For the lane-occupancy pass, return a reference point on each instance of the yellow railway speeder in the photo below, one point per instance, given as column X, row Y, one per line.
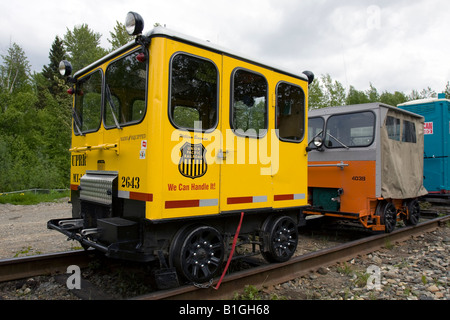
column 173, row 140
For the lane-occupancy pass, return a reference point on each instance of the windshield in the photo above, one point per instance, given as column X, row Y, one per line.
column 350, row 130
column 88, row 102
column 123, row 96
column 126, row 82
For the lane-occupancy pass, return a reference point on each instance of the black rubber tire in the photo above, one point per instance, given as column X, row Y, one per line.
column 281, row 238
column 197, row 253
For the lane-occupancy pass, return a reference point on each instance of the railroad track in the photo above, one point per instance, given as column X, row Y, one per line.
column 23, row 267
column 273, row 274
column 267, row 274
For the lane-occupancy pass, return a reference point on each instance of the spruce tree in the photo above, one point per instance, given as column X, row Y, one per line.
column 51, row 72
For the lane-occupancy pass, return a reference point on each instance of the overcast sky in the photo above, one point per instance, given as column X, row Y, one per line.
column 397, row 45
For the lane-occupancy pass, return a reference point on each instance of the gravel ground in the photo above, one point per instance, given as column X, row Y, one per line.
column 23, row 229
column 418, row 269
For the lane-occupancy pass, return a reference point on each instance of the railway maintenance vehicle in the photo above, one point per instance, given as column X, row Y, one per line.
column 366, row 164
column 177, row 144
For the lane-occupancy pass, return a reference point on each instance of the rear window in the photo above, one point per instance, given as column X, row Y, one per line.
column 290, row 120
column 409, row 132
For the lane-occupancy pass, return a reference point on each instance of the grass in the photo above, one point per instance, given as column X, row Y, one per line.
column 29, row 198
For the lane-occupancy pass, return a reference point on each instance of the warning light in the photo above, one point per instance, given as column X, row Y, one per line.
column 141, row 57
column 71, row 91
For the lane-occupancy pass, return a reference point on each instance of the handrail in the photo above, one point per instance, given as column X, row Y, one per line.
column 339, row 165
column 105, row 146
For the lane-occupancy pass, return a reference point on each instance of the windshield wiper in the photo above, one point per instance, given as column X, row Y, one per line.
column 77, row 122
column 112, row 106
column 340, row 142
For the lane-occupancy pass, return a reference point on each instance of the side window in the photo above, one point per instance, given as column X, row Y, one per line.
column 193, row 93
column 125, row 91
column 315, row 128
column 290, row 112
column 393, row 128
column 88, row 103
column 249, row 104
column 409, row 132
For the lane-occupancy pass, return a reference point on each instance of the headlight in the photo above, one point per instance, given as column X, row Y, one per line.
column 318, row 142
column 134, row 24
column 65, row 68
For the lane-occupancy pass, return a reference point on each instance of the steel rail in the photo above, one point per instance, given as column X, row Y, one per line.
column 272, row 274
column 23, row 267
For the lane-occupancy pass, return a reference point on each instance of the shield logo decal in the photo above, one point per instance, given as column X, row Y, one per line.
column 193, row 162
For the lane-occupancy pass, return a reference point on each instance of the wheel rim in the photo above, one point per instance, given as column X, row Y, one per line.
column 283, row 240
column 200, row 255
column 414, row 213
column 390, row 217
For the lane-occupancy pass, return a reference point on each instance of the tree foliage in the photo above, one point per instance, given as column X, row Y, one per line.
column 325, row 92
column 15, row 71
column 36, row 111
column 83, row 46
column 119, row 37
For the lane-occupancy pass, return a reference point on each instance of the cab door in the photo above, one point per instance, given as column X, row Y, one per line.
column 191, row 132
column 245, row 175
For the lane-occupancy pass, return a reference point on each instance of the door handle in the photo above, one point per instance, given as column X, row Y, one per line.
column 222, row 154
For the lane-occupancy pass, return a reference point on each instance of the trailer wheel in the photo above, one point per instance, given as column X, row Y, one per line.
column 388, row 213
column 281, row 239
column 197, row 253
column 413, row 213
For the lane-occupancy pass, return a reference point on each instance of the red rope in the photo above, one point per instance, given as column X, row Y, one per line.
column 232, row 251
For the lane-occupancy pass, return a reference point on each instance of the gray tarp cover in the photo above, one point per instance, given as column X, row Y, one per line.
column 402, row 169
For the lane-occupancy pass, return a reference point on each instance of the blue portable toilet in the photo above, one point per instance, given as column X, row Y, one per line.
column 436, row 169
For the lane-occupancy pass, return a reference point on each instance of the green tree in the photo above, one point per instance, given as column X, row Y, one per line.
column 324, row 92
column 447, row 90
column 372, row 94
column 334, row 92
column 15, row 72
column 51, row 71
column 315, row 95
column 356, row 97
column 119, row 37
column 83, row 46
column 393, row 99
